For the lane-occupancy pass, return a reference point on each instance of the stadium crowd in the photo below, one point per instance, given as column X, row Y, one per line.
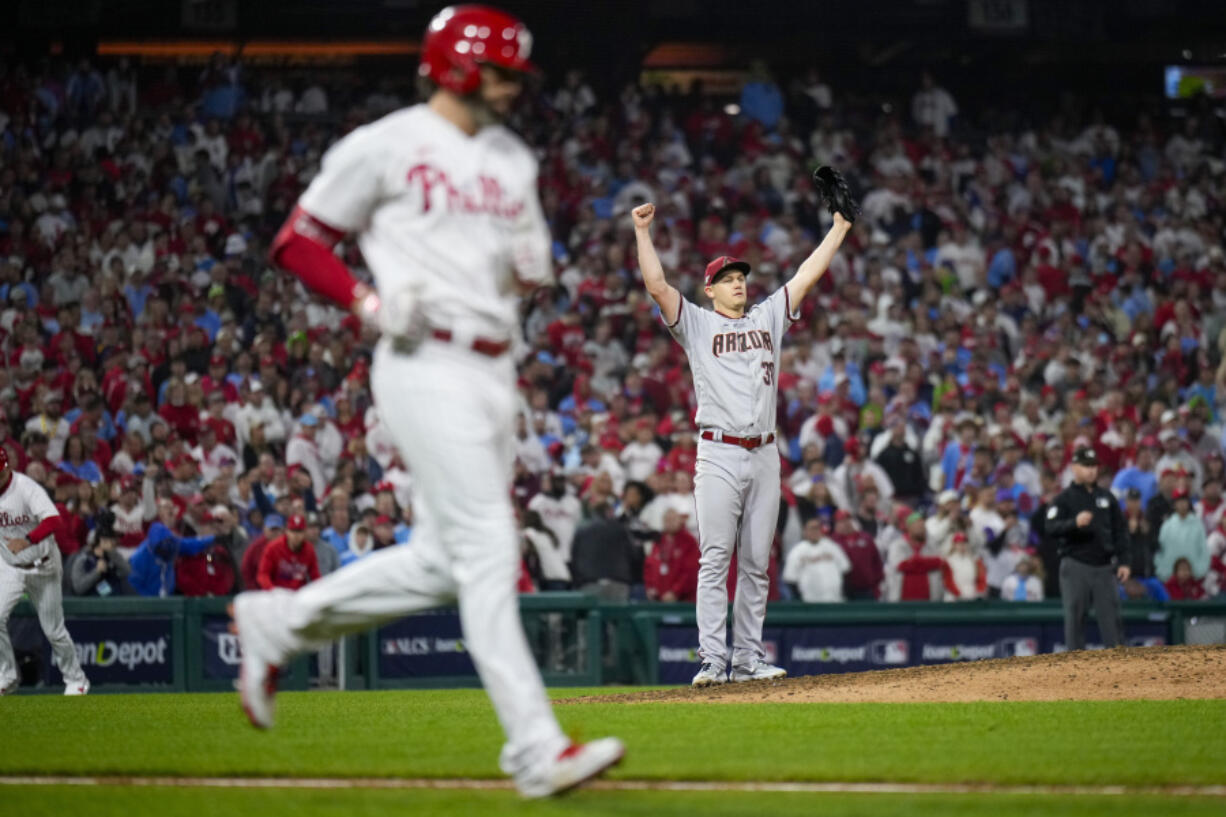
column 1015, row 289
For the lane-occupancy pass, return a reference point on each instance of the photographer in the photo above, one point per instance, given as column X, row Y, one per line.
column 98, row 569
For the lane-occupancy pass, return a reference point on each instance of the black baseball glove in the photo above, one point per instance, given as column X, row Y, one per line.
column 833, row 188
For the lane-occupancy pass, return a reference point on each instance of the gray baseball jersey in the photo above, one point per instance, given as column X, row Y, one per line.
column 733, row 361
column 736, row 490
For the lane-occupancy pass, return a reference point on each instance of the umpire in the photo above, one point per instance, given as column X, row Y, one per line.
column 1085, row 523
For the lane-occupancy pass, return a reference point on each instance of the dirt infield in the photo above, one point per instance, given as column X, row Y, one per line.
column 1152, row 673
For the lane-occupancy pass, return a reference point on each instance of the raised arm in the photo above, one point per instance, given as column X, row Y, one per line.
column 815, row 266
column 664, row 293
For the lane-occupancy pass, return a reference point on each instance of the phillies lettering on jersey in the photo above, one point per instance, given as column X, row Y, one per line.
column 23, row 505
column 7, row 520
column 733, row 361
column 450, row 227
column 489, row 197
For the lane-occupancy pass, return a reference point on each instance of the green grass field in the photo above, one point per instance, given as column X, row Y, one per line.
column 453, row 734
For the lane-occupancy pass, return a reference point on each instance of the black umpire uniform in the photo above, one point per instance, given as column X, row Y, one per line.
column 1090, row 555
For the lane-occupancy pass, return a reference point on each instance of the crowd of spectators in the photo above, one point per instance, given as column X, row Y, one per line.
column 1014, row 289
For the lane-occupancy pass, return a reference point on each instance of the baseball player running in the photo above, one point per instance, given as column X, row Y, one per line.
column 443, row 200
column 30, row 563
column 733, row 355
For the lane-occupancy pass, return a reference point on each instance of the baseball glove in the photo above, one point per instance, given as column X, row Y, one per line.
column 833, row 188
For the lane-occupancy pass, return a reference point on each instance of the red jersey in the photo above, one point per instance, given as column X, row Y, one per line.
column 672, row 567
column 282, row 567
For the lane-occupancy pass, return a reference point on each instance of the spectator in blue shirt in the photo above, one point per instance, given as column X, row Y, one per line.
column 761, row 99
column 840, row 367
column 153, row 563
column 1140, row 476
column 337, row 532
column 75, row 462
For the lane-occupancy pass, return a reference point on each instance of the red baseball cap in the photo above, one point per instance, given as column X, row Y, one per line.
column 841, row 514
column 296, row 522
column 723, row 264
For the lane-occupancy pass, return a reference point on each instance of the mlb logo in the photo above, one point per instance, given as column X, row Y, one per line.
column 891, row 652
column 1018, row 647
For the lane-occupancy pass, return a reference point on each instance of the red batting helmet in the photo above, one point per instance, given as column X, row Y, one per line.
column 460, row 38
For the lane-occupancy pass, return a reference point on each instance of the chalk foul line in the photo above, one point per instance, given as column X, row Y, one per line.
column 473, row 784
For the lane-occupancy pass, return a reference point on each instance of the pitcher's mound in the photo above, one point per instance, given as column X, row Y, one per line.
column 1133, row 673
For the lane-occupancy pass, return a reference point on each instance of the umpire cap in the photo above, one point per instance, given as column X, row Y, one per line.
column 1085, row 456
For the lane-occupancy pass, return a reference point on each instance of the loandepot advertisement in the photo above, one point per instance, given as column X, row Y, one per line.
column 119, row 651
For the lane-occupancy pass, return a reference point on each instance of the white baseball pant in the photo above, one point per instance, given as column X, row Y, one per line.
column 737, row 494
column 451, row 415
column 47, row 595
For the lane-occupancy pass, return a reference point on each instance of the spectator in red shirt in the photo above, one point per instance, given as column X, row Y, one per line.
column 289, row 560
column 182, row 416
column 274, row 524
column 209, row 572
column 1182, row 585
column 863, row 580
column 670, row 572
column 919, row 564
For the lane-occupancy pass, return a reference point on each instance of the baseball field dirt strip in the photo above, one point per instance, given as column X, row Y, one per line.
column 1138, row 673
column 435, row 752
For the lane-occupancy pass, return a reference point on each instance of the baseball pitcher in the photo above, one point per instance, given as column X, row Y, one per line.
column 443, row 201
column 30, row 564
column 734, row 353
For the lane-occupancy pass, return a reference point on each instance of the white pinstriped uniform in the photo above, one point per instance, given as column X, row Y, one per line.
column 23, row 505
column 449, row 222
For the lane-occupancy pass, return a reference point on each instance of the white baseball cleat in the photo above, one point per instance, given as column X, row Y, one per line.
column 709, row 675
column 77, row 689
column 10, row 688
column 574, row 766
column 257, row 674
column 758, row 671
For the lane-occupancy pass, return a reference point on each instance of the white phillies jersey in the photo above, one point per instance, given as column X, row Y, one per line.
column 23, row 505
column 734, row 361
column 447, row 219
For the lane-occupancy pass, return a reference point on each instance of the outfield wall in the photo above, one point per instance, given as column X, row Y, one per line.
column 181, row 644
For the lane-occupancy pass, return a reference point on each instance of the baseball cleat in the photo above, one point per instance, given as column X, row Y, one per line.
column 758, row 671
column 77, row 689
column 10, row 689
column 709, row 675
column 257, row 675
column 577, row 764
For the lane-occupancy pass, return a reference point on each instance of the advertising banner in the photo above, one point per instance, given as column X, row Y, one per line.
column 428, row 645
column 119, row 650
column 221, row 654
column 947, row 644
column 821, row 650
column 1136, row 634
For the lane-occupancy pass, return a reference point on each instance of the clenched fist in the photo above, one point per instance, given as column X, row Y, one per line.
column 643, row 214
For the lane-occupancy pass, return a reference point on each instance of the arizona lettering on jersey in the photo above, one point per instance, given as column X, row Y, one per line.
column 733, row 361
column 729, row 342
